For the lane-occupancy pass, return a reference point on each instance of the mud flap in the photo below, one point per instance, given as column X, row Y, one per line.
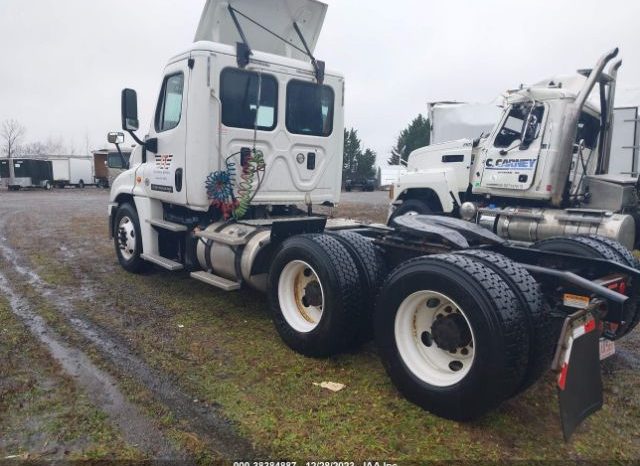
column 579, row 381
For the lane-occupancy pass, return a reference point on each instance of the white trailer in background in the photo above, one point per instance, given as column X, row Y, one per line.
column 72, row 171
column 452, row 121
column 625, row 141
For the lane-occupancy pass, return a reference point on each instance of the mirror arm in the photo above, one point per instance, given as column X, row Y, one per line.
column 150, row 145
column 121, row 155
column 135, row 138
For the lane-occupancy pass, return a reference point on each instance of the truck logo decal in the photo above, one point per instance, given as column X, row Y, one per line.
column 161, row 188
column 163, row 161
column 507, row 164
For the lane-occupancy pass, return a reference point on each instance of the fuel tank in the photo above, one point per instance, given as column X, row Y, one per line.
column 530, row 225
column 231, row 251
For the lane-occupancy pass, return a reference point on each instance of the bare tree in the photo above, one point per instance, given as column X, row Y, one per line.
column 12, row 132
column 33, row 148
column 87, row 143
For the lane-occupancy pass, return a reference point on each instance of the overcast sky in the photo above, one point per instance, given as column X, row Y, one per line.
column 64, row 62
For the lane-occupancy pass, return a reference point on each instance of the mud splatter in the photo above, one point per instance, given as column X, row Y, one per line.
column 136, row 428
column 204, row 420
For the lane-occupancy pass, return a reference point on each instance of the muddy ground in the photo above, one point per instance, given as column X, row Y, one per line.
column 99, row 364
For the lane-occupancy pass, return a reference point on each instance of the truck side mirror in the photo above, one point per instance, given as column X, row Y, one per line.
column 129, row 110
column 115, row 138
column 531, row 130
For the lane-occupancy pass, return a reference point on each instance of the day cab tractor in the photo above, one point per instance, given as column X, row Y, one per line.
column 245, row 142
column 541, row 172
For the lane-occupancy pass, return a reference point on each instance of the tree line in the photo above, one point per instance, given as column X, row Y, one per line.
column 359, row 162
column 12, row 142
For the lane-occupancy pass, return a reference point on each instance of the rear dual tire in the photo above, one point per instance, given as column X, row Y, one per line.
column 315, row 295
column 543, row 329
column 322, row 291
column 465, row 362
column 602, row 248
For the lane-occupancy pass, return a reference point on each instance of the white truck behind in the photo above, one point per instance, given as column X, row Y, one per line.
column 540, row 173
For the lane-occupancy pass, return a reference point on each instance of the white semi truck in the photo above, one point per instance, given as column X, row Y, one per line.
column 541, row 172
column 245, row 141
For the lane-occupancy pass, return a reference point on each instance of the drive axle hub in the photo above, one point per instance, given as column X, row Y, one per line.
column 451, row 332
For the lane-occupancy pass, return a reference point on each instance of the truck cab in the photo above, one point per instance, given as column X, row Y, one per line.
column 540, row 172
column 209, row 108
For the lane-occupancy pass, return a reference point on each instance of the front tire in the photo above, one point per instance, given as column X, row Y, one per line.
column 451, row 335
column 410, row 206
column 314, row 294
column 127, row 239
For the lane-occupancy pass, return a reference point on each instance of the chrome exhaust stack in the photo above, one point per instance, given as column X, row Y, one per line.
column 570, row 128
column 608, row 130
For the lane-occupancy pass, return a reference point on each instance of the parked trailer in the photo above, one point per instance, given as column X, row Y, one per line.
column 27, row 173
column 108, row 164
column 72, row 171
column 462, row 318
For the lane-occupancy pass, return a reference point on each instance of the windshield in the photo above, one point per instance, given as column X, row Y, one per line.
column 522, row 124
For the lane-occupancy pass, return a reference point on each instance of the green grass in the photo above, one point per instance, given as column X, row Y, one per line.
column 223, row 350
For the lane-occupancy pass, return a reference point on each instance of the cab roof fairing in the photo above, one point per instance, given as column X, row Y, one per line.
column 278, row 16
column 555, row 88
column 258, row 58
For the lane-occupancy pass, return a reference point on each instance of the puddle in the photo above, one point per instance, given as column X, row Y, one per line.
column 204, row 420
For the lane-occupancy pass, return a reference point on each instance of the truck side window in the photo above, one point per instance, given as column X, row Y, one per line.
column 309, row 108
column 170, row 104
column 239, row 96
column 588, row 129
column 115, row 161
column 514, row 129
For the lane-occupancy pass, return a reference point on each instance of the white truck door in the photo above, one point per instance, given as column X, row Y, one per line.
column 292, row 126
column 249, row 117
column 508, row 162
column 163, row 173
